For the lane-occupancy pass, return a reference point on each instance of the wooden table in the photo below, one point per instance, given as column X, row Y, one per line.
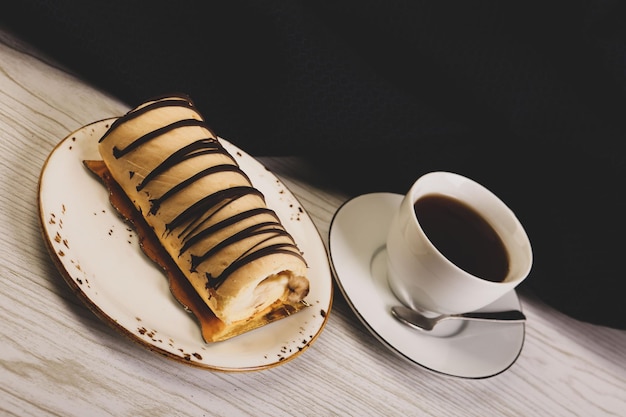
column 57, row 358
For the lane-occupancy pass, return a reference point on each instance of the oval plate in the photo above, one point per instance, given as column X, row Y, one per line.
column 99, row 256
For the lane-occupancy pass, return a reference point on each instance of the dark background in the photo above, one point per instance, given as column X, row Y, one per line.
column 527, row 98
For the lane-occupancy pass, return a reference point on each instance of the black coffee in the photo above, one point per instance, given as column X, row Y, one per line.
column 463, row 236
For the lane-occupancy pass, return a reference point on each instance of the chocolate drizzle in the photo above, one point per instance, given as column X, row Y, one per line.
column 159, row 102
column 156, row 202
column 252, row 256
column 195, row 223
column 254, row 230
column 198, row 148
column 118, row 153
column 195, row 238
column 200, row 207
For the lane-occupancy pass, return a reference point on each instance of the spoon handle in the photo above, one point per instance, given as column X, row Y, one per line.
column 511, row 316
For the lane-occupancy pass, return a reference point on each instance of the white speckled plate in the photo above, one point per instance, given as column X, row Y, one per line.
column 99, row 256
column 357, row 249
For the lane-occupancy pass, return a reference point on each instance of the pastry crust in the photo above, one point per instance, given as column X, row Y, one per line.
column 204, row 210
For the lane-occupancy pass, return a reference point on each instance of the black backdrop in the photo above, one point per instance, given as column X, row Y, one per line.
column 526, row 97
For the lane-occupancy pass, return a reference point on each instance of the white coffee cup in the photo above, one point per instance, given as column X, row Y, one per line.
column 425, row 279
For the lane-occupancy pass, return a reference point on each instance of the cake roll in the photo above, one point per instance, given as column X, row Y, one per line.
column 204, row 210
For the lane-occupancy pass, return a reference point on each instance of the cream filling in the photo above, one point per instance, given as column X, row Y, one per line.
column 280, row 286
column 255, row 299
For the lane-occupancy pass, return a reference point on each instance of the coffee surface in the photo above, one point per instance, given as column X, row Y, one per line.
column 463, row 236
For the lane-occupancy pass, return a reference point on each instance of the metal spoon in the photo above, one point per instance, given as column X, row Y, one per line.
column 418, row 321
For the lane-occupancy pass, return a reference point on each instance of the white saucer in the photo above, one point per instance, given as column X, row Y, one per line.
column 357, row 251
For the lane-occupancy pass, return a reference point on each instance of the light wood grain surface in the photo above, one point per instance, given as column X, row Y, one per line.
column 57, row 358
